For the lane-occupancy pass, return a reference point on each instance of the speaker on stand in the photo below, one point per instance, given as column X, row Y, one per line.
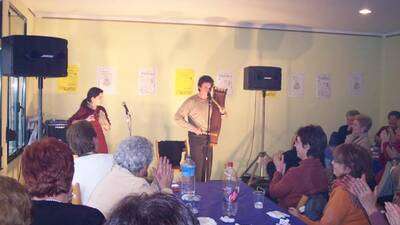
column 260, row 78
column 34, row 56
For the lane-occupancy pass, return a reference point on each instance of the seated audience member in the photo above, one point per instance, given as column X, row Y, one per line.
column 155, row 209
column 15, row 204
column 128, row 174
column 90, row 168
column 346, row 129
column 390, row 145
column 359, row 188
column 48, row 168
column 393, row 118
column 359, row 135
column 389, row 178
column 309, row 177
column 290, row 158
column 343, row 207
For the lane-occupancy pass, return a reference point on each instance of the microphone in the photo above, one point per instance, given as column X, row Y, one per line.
column 126, row 108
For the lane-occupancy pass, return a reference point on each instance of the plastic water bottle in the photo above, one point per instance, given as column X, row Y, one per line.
column 231, row 191
column 188, row 177
column 375, row 151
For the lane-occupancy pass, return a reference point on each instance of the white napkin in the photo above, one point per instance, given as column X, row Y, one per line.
column 283, row 222
column 227, row 219
column 206, row 221
column 277, row 214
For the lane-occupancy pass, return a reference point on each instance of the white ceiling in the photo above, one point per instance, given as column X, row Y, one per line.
column 333, row 16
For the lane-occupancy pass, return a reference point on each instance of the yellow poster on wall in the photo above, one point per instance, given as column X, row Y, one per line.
column 184, row 82
column 69, row 84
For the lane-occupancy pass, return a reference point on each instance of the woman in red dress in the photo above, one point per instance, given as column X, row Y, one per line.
column 92, row 111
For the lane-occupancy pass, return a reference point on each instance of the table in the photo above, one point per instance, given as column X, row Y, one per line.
column 212, row 199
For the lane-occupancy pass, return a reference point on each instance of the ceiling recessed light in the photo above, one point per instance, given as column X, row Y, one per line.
column 365, row 11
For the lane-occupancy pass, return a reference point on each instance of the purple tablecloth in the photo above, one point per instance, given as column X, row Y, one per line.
column 211, row 205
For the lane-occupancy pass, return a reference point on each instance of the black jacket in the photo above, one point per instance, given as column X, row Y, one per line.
column 56, row 213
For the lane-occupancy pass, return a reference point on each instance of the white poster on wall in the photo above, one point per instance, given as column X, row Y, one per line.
column 225, row 81
column 106, row 78
column 324, row 86
column 296, row 85
column 147, row 82
column 356, row 84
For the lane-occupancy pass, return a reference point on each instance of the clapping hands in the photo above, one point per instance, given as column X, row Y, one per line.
column 279, row 162
column 163, row 173
column 392, row 213
column 360, row 188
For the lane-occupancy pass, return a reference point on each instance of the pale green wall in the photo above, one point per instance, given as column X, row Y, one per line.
column 391, row 76
column 129, row 46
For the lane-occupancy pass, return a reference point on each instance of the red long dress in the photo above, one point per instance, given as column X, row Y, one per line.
column 83, row 113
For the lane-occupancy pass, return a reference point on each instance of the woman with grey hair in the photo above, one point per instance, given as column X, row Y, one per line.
column 131, row 162
column 359, row 136
column 346, row 129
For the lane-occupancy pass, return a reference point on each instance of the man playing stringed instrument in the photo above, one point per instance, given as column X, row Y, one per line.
column 195, row 115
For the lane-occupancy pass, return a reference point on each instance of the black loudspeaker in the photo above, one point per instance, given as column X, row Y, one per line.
column 262, row 78
column 37, row 56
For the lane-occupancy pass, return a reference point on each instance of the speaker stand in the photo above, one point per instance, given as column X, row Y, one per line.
column 40, row 106
column 264, row 95
column 255, row 162
column 262, row 153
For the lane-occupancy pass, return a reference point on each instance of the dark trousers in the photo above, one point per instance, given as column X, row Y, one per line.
column 202, row 154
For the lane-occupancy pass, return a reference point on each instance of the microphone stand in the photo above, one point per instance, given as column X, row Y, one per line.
column 129, row 123
column 128, row 118
column 209, row 98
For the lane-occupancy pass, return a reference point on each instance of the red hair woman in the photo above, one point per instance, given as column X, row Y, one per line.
column 92, row 111
column 48, row 168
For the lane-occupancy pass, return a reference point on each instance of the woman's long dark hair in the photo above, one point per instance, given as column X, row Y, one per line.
column 92, row 93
